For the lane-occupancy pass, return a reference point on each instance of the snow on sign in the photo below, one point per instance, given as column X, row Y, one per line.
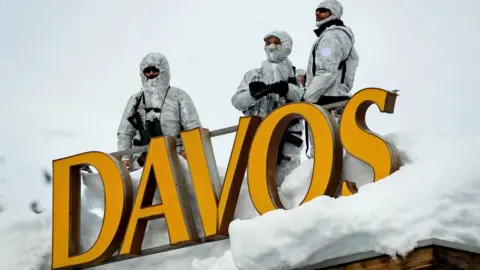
column 254, row 149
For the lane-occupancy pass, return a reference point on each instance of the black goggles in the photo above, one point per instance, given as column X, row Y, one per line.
column 150, row 69
column 322, row 10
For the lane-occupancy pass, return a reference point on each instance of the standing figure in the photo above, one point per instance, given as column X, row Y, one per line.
column 274, row 84
column 333, row 60
column 159, row 109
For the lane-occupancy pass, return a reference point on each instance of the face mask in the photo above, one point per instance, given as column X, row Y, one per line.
column 274, row 52
column 322, row 22
column 150, row 83
column 273, row 47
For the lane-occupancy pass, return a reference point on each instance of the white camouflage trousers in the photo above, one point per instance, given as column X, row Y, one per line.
column 286, row 167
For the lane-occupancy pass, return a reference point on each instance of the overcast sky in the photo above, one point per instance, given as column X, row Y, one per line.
column 67, row 68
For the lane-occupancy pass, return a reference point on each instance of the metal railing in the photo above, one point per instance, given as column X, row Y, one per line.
column 213, row 133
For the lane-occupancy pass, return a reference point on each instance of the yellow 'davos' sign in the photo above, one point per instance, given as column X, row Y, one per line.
column 255, row 148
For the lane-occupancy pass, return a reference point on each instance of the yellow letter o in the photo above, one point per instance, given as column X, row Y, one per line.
column 262, row 163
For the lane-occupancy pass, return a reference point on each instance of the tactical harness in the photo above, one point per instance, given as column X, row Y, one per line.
column 318, row 32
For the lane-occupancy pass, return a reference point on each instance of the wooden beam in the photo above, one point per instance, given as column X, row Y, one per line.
column 429, row 254
column 430, row 257
column 449, row 258
column 418, row 259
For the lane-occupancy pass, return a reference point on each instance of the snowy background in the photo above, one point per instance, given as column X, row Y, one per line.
column 67, row 69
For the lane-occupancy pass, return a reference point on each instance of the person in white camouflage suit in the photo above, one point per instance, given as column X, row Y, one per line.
column 158, row 107
column 333, row 60
column 274, row 84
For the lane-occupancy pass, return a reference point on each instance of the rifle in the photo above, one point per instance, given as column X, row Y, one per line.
column 153, row 128
column 136, row 122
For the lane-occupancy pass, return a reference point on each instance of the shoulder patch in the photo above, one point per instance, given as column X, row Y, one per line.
column 325, row 51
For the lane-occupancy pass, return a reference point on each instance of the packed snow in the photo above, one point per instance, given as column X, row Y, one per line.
column 435, row 194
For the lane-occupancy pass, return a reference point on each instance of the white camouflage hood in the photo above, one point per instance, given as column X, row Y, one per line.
column 158, row 60
column 278, row 67
column 287, row 44
column 335, row 7
column 155, row 89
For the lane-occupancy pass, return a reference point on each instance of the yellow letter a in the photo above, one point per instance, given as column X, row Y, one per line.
column 216, row 215
column 161, row 168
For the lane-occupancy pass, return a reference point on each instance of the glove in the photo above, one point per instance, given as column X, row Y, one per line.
column 255, row 88
column 292, row 80
column 281, row 88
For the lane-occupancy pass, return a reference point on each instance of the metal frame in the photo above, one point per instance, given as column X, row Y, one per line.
column 213, row 133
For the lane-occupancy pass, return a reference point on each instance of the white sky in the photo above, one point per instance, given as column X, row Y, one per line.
column 67, row 68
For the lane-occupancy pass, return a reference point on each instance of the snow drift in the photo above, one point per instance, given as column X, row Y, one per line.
column 436, row 193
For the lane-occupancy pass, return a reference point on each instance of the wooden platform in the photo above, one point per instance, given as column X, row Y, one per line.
column 430, row 254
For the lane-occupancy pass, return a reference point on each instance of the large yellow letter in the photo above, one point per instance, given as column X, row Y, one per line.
column 360, row 141
column 216, row 216
column 161, row 169
column 263, row 156
column 66, row 207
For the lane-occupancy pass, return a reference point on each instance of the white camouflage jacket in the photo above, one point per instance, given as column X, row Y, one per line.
column 334, row 44
column 177, row 108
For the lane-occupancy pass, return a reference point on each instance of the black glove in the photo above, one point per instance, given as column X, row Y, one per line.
column 256, row 87
column 281, row 88
column 292, row 80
